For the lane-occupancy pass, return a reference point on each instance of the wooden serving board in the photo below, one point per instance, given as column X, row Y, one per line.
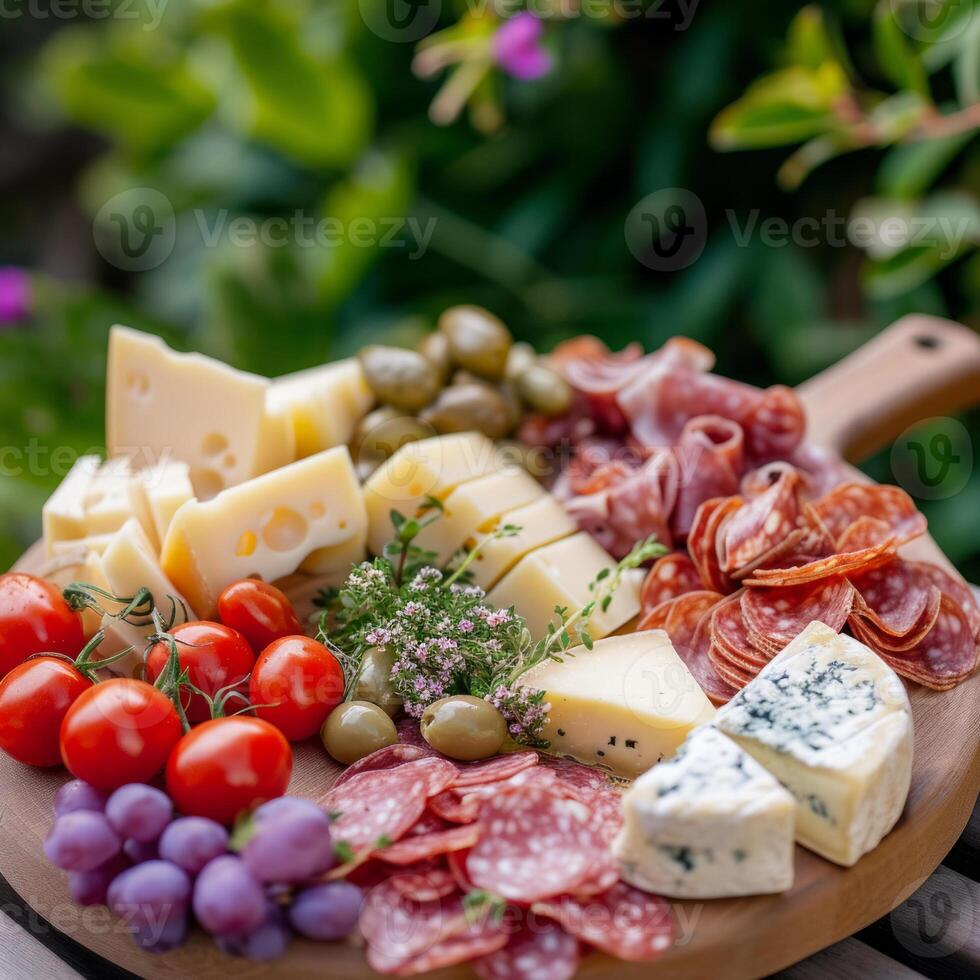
column 919, row 367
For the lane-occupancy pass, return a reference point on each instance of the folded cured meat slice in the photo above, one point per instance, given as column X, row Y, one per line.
column 709, row 460
column 702, row 541
column 846, row 563
column 760, row 525
column 840, row 508
column 670, row 576
column 780, row 614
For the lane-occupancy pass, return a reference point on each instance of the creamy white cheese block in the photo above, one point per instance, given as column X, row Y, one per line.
column 428, row 468
column 560, row 575
column 63, row 515
column 708, row 823
column 541, row 522
column 471, row 511
column 162, row 405
column 168, row 487
column 323, row 405
column 832, row 722
column 626, row 704
column 267, row 528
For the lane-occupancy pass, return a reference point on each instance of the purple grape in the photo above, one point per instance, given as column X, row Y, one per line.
column 138, row 852
column 191, row 842
column 78, row 795
column 81, row 841
column 162, row 937
column 150, row 894
column 139, row 812
column 290, row 844
column 90, row 887
column 286, row 806
column 327, row 912
column 268, row 942
column 228, row 901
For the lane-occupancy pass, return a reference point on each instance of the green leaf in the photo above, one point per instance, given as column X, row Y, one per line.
column 895, row 53
column 809, row 43
column 315, row 110
column 909, row 169
column 145, row 97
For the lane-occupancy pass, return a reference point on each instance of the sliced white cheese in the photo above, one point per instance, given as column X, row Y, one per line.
column 709, row 823
column 63, row 515
column 428, row 468
column 541, row 522
column 267, row 528
column 627, row 704
column 115, row 496
column 560, row 575
column 471, row 511
column 323, row 405
column 832, row 722
column 162, row 405
column 168, row 487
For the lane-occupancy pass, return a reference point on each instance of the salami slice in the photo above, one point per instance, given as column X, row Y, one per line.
column 624, row 922
column 876, row 638
column 383, row 804
column 865, row 532
column 948, row 654
column 847, row 563
column 709, row 450
column 418, row 847
column 728, row 631
column 847, row 503
column 409, row 733
column 731, row 673
column 545, row 952
column 781, row 614
column 475, row 940
column 760, row 525
column 534, row 776
column 952, row 586
column 696, row 654
column 456, row 861
column 426, row 881
column 775, row 425
column 534, row 845
column 703, row 538
column 893, row 597
column 386, row 758
column 585, row 782
column 450, row 806
column 670, row 576
column 493, row 770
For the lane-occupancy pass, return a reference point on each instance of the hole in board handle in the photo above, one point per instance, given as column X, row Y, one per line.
column 927, row 341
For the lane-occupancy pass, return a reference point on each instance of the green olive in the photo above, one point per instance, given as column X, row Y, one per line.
column 399, row 377
column 384, row 431
column 521, row 357
column 478, row 341
column 544, row 391
column 355, row 729
column 464, row 727
column 467, row 408
column 434, row 347
column 374, row 681
column 515, row 407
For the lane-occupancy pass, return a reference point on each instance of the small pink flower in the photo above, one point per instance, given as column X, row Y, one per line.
column 517, row 47
column 16, row 295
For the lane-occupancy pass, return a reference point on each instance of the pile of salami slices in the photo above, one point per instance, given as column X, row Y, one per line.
column 504, row 862
column 761, row 565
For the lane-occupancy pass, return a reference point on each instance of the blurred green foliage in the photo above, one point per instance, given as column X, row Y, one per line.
column 268, row 109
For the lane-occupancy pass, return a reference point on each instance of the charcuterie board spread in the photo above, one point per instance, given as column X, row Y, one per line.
column 473, row 657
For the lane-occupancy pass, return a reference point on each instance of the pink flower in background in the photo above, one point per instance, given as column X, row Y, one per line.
column 517, row 47
column 15, row 295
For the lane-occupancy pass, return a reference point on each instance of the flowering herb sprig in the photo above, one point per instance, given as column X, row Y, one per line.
column 443, row 636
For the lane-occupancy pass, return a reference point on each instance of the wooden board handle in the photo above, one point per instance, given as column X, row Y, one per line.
column 919, row 367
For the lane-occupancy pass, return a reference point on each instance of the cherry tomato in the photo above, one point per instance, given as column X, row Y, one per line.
column 259, row 611
column 228, row 765
column 214, row 656
column 120, row 731
column 34, row 698
column 34, row 618
column 295, row 684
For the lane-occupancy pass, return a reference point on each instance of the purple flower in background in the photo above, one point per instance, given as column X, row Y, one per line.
column 517, row 47
column 15, row 295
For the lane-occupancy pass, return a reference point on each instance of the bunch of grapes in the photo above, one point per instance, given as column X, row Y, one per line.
column 159, row 872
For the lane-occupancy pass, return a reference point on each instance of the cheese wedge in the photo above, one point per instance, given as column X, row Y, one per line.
column 559, row 575
column 168, row 487
column 323, row 405
column 115, row 496
column 541, row 522
column 832, row 722
column 267, row 528
column 626, row 704
column 709, row 823
column 471, row 511
column 63, row 515
column 428, row 468
column 161, row 405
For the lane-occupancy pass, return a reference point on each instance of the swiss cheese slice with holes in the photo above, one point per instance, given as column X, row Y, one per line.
column 428, row 468
column 163, row 405
column 267, row 528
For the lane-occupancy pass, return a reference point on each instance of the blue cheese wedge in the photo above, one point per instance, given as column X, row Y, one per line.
column 832, row 722
column 626, row 704
column 709, row 823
